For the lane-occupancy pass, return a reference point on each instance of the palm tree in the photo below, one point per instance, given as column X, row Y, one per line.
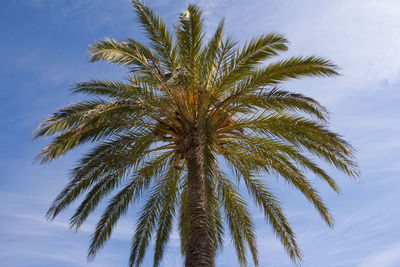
column 186, row 107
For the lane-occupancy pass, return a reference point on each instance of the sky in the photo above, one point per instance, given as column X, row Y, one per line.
column 43, row 51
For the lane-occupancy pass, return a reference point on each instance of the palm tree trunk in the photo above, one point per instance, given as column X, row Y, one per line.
column 199, row 250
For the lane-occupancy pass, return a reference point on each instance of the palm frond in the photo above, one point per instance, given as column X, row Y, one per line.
column 209, row 54
column 103, row 121
column 166, row 216
column 184, row 219
column 265, row 148
column 256, row 51
column 150, row 215
column 240, row 223
column 283, row 102
column 307, row 134
column 104, row 161
column 292, row 68
column 120, row 202
column 189, row 34
column 274, row 215
column 159, row 35
column 127, row 53
column 111, row 89
column 264, row 199
column 281, row 165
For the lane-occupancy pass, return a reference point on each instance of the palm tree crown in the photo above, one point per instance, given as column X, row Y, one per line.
column 187, row 106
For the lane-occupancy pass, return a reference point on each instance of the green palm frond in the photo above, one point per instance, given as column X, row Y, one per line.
column 184, row 219
column 111, row 89
column 189, row 36
column 264, row 148
column 240, row 223
column 124, row 197
column 313, row 137
column 120, row 202
column 66, row 118
column 282, row 166
column 160, row 197
column 106, row 163
column 292, row 68
column 283, row 102
column 274, row 215
column 224, row 55
column 294, row 177
column 256, row 51
column 166, row 216
column 102, row 121
column 131, row 53
column 209, row 54
column 159, row 35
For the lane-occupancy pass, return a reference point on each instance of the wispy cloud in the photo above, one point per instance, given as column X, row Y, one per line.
column 358, row 36
column 388, row 257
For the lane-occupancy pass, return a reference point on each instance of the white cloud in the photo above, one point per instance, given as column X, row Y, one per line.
column 361, row 37
column 389, row 257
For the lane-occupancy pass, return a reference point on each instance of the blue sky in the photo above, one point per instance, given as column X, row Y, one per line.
column 43, row 49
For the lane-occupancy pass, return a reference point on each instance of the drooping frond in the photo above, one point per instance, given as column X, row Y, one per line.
column 100, row 121
column 127, row 53
column 268, row 149
column 166, row 216
column 306, row 134
column 281, row 165
column 160, row 196
column 211, row 170
column 184, row 220
column 274, row 215
column 264, row 198
column 117, row 207
column 106, row 163
column 238, row 218
column 120, row 202
column 140, row 181
column 111, row 89
column 292, row 68
column 283, row 101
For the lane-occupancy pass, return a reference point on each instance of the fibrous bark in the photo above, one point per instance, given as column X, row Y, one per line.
column 199, row 250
